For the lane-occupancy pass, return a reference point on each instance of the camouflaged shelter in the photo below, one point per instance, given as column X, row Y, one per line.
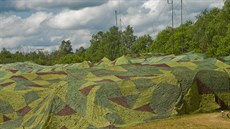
column 111, row 94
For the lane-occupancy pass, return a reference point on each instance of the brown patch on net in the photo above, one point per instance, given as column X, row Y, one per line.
column 120, row 101
column 13, row 71
column 66, row 111
column 86, row 90
column 145, row 108
column 105, row 80
column 6, row 84
column 161, row 65
column 223, row 106
column 64, row 127
column 228, row 68
column 36, row 85
column 30, row 67
column 24, row 110
column 52, row 72
column 5, row 118
column 90, row 64
column 203, row 89
column 110, row 126
column 123, row 77
column 18, row 76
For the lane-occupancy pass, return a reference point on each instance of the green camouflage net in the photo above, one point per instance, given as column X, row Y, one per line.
column 111, row 94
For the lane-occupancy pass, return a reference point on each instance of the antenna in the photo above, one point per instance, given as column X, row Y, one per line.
column 172, row 24
column 120, row 14
column 181, row 11
column 182, row 36
column 116, row 17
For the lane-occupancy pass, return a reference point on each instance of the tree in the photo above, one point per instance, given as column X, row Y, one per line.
column 65, row 48
column 106, row 44
column 5, row 56
column 161, row 42
column 96, row 50
column 80, row 51
column 6, row 53
column 141, row 45
column 127, row 40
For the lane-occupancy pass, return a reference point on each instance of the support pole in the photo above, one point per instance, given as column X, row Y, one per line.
column 116, row 17
column 172, row 24
column 182, row 36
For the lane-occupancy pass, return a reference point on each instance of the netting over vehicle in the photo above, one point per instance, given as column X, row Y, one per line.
column 111, row 94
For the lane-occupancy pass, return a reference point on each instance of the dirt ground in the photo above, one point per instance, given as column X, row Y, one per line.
column 198, row 121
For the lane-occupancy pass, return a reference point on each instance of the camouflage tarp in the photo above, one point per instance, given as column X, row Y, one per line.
column 111, row 94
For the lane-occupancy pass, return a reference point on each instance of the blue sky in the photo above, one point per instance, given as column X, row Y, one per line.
column 27, row 25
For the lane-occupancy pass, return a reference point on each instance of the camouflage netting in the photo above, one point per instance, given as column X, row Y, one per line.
column 111, row 94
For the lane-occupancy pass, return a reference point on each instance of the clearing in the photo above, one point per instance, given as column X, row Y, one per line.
column 201, row 121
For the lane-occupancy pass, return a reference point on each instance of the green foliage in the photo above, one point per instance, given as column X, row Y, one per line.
column 210, row 34
column 141, row 44
column 65, row 48
column 110, row 44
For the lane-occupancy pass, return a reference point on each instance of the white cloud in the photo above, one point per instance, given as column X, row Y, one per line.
column 10, row 42
column 16, row 26
column 46, row 4
column 217, row 4
column 55, row 38
column 151, row 4
column 72, row 19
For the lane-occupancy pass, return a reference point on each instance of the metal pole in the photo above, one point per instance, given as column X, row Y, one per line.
column 120, row 27
column 181, row 11
column 116, row 17
column 182, row 36
column 172, row 28
column 172, row 24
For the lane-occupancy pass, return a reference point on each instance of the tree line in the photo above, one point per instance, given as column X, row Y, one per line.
column 209, row 34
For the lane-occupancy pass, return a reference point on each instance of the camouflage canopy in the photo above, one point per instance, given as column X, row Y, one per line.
column 110, row 94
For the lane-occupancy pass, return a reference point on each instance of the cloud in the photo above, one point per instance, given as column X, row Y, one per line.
column 74, row 19
column 217, row 4
column 25, row 5
column 55, row 38
column 151, row 5
column 10, row 42
column 45, row 23
column 16, row 26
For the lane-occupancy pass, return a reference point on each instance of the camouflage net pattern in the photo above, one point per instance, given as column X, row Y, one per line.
column 111, row 94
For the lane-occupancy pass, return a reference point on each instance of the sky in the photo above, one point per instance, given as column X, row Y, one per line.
column 28, row 25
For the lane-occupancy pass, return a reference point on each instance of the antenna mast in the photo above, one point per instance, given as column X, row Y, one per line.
column 119, row 12
column 172, row 24
column 182, row 36
column 116, row 17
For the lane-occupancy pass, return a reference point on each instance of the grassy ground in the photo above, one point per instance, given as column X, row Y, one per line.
column 198, row 121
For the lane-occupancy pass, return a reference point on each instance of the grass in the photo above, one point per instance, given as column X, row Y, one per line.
column 197, row 121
